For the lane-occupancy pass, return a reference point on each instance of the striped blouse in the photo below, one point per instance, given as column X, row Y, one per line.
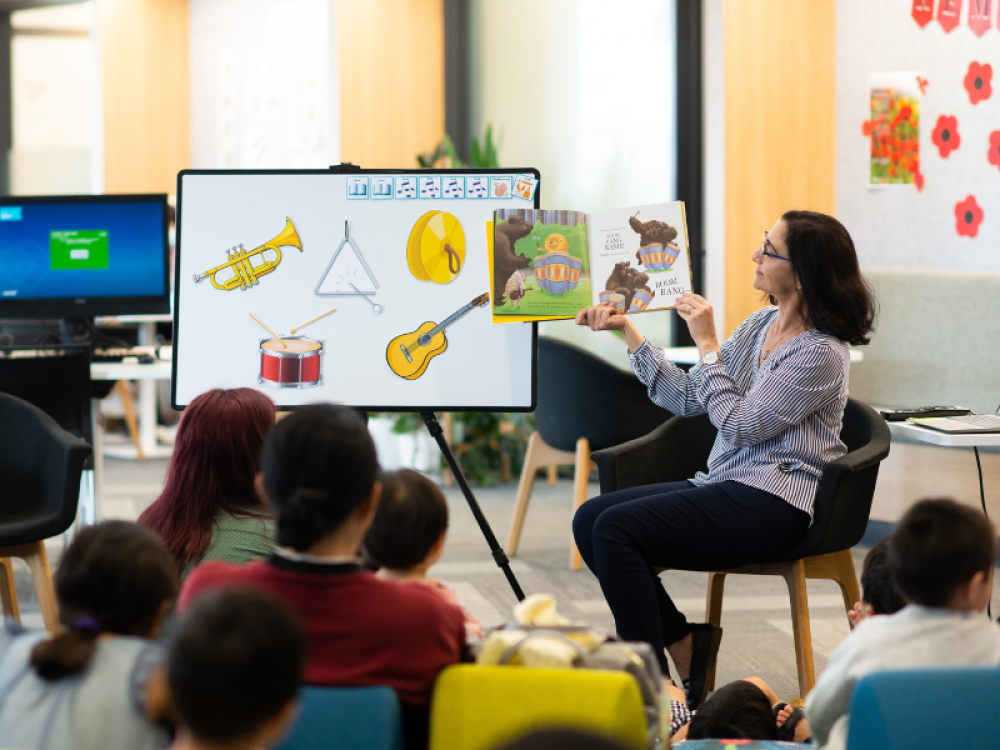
column 779, row 424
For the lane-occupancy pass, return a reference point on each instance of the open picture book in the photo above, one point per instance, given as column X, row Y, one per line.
column 548, row 265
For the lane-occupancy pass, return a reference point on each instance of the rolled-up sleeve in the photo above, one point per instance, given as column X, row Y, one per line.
column 803, row 382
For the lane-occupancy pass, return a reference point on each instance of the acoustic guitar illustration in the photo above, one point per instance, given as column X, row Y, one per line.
column 409, row 354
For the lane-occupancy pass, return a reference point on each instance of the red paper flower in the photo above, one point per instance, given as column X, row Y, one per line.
column 968, row 216
column 978, row 82
column 945, row 135
column 918, row 180
column 993, row 155
column 866, row 127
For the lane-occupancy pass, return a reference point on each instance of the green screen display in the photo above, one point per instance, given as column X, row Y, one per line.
column 77, row 249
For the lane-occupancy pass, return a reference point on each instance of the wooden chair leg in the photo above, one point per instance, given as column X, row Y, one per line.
column 847, row 579
column 133, row 425
column 8, row 590
column 531, row 466
column 582, row 472
column 713, row 607
column 552, row 472
column 795, row 578
column 38, row 562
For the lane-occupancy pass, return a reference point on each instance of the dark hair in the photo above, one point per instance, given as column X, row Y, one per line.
column 937, row 546
column 877, row 588
column 319, row 464
column 837, row 299
column 114, row 578
column 235, row 662
column 212, row 469
column 737, row 711
column 411, row 516
column 557, row 738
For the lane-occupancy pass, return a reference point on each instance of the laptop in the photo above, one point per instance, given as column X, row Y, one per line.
column 969, row 424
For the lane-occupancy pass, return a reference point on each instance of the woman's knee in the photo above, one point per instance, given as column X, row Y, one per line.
column 583, row 521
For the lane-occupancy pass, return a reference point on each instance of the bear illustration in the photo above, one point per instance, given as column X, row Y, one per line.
column 652, row 233
column 619, row 276
column 505, row 260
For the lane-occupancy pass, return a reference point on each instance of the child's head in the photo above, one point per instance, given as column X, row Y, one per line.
column 410, row 522
column 235, row 666
column 318, row 467
column 877, row 588
column 738, row 711
column 115, row 577
column 942, row 554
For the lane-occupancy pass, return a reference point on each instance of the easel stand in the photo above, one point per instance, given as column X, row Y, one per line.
column 434, row 428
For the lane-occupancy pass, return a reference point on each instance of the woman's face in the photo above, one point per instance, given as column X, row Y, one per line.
column 775, row 275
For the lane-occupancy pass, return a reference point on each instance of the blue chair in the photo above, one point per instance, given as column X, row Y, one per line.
column 363, row 718
column 933, row 709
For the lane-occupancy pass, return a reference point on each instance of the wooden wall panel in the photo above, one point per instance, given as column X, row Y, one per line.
column 144, row 57
column 780, row 127
column 391, row 80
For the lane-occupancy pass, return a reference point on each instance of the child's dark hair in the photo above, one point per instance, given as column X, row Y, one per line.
column 113, row 578
column 319, row 464
column 737, row 711
column 937, row 546
column 235, row 662
column 412, row 515
column 877, row 588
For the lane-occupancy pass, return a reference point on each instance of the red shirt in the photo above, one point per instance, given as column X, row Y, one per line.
column 362, row 630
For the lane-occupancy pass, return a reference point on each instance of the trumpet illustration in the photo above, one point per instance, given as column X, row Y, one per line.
column 245, row 273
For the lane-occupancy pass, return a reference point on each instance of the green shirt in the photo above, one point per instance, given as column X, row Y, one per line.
column 238, row 540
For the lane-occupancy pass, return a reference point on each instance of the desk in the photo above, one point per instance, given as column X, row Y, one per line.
column 934, row 437
column 688, row 355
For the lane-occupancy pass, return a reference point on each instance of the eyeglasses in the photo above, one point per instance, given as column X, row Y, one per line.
column 766, row 243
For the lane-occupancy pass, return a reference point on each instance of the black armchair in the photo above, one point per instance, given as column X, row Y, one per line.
column 41, row 466
column 680, row 447
column 584, row 404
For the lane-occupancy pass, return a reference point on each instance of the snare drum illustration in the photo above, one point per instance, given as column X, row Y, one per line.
column 297, row 366
column 640, row 300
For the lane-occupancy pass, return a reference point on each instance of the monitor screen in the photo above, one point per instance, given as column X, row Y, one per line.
column 81, row 256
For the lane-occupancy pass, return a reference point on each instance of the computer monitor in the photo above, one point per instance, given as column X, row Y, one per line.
column 79, row 256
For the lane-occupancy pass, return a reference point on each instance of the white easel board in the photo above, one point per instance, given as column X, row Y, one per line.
column 416, row 246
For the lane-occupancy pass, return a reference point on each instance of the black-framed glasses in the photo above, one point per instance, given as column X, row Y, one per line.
column 766, row 243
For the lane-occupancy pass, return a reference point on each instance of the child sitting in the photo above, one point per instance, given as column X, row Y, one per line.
column 87, row 688
column 879, row 595
column 407, row 536
column 941, row 557
column 233, row 671
column 318, row 471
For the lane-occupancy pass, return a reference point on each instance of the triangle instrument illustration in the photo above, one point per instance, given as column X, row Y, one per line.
column 346, row 267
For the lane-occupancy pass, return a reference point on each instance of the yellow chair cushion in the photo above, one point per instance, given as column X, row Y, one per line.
column 476, row 708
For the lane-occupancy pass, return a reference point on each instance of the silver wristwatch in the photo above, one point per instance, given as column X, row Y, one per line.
column 709, row 358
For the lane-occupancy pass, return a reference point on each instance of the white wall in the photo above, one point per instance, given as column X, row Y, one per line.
column 264, row 84
column 900, row 227
column 584, row 91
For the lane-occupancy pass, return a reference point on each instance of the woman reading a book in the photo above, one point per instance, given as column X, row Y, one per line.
column 776, row 391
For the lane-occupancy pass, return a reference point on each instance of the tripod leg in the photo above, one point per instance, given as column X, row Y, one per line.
column 434, row 428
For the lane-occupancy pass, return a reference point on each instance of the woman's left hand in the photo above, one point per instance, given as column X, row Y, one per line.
column 697, row 313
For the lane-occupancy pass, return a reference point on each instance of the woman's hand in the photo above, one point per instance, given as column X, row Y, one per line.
column 601, row 318
column 697, row 313
column 607, row 318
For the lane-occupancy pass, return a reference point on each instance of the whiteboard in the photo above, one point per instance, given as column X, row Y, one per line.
column 416, row 247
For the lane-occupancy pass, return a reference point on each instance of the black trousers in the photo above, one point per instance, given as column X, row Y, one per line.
column 622, row 535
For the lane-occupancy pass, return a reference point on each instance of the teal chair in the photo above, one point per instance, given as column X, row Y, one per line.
column 930, row 709
column 363, row 718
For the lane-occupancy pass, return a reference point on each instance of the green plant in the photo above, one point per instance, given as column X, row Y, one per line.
column 480, row 157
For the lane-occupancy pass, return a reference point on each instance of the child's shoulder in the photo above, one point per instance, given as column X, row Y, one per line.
column 417, row 596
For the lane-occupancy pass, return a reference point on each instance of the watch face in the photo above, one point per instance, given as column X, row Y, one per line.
column 711, row 357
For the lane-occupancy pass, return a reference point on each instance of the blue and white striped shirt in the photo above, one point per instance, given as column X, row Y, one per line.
column 779, row 424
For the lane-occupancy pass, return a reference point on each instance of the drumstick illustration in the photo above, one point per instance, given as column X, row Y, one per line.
column 276, row 336
column 299, row 328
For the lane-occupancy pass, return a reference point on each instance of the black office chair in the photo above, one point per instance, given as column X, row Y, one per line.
column 680, row 447
column 41, row 466
column 584, row 404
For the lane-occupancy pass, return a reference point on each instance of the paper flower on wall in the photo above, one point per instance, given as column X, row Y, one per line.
column 968, row 216
column 945, row 135
column 978, row 82
column 993, row 155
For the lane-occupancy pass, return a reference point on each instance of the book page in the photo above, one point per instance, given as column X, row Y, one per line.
column 640, row 256
column 540, row 264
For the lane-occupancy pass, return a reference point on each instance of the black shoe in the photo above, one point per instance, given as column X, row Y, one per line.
column 705, row 640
